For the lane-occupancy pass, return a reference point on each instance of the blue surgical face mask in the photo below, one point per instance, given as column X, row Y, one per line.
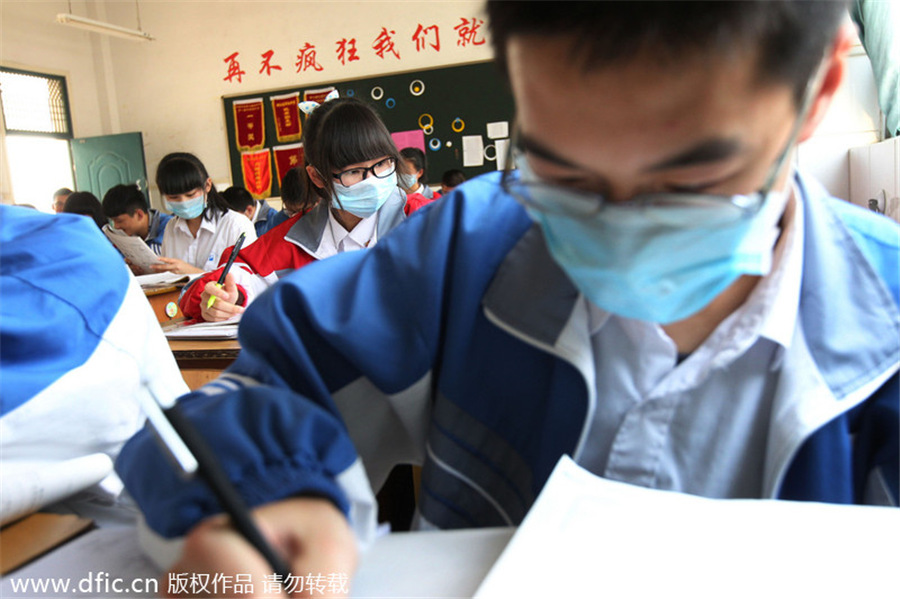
column 408, row 181
column 188, row 209
column 365, row 198
column 636, row 264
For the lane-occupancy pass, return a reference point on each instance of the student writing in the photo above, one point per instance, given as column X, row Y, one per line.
column 203, row 225
column 657, row 292
column 352, row 201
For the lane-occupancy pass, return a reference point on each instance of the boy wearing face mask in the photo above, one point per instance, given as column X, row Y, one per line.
column 656, row 292
column 351, row 208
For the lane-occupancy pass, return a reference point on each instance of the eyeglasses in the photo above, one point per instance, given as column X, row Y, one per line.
column 677, row 208
column 381, row 169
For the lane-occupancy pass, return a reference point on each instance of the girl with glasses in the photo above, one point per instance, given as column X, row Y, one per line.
column 350, row 200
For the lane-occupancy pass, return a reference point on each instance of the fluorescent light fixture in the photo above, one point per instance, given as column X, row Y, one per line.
column 101, row 27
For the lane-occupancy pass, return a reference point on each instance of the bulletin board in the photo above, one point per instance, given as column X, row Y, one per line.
column 461, row 115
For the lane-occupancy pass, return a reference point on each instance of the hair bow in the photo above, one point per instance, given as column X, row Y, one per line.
column 308, row 106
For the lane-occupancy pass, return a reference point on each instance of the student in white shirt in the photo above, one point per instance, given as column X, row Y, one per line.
column 203, row 226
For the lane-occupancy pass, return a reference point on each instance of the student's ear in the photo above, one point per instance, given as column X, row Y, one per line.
column 208, row 185
column 249, row 210
column 140, row 214
column 835, row 71
column 315, row 177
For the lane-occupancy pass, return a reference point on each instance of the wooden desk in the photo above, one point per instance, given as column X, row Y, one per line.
column 161, row 297
column 201, row 361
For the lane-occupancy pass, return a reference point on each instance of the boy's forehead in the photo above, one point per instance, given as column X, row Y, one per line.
column 641, row 105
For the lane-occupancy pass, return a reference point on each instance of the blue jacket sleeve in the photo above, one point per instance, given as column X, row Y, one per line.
column 272, row 445
column 375, row 316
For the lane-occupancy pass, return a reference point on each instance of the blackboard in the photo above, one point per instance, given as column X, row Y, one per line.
column 461, row 100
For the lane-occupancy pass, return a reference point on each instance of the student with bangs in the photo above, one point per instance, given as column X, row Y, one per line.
column 203, row 225
column 351, row 201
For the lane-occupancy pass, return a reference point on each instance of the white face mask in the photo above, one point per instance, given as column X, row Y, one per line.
column 366, row 197
column 408, row 181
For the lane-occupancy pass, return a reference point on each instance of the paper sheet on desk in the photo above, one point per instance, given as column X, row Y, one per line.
column 226, row 329
column 161, row 279
column 586, row 536
column 29, row 487
column 133, row 248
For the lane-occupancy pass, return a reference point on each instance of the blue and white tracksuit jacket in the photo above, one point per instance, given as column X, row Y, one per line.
column 78, row 344
column 454, row 344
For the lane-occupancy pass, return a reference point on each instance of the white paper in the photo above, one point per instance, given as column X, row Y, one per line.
column 498, row 130
column 590, row 537
column 225, row 329
column 161, row 278
column 133, row 248
column 29, row 487
column 473, row 150
column 502, row 146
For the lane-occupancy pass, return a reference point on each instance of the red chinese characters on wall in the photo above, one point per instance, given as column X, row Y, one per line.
column 306, row 59
column 384, row 43
column 468, row 32
column 234, row 68
column 426, row 38
column 346, row 50
column 267, row 66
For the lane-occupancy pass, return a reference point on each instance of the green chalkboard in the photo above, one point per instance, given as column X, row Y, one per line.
column 459, row 100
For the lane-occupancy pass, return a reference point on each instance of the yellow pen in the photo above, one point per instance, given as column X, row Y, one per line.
column 234, row 253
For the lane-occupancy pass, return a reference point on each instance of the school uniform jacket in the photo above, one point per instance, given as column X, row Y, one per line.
column 79, row 343
column 158, row 222
column 459, row 344
column 289, row 246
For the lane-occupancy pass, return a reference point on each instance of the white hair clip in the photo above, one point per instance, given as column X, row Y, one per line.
column 308, row 106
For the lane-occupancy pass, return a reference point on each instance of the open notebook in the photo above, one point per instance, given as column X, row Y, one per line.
column 590, row 537
column 227, row 329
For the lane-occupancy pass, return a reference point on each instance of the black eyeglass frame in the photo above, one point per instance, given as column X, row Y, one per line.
column 585, row 204
column 366, row 170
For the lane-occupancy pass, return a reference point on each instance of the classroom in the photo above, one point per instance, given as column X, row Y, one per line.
column 443, row 367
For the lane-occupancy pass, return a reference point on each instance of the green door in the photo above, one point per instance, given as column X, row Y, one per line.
column 108, row 160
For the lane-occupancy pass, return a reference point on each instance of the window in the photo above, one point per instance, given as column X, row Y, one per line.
column 37, row 127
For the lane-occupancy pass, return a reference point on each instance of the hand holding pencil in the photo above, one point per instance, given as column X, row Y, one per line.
column 213, row 291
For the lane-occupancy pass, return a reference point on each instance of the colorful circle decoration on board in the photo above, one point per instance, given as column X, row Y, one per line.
column 349, row 93
column 429, row 121
column 449, row 144
column 377, row 93
column 458, row 125
column 428, row 130
column 390, row 102
column 417, row 87
column 491, row 156
column 434, row 144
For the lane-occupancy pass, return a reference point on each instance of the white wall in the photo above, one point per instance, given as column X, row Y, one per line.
column 171, row 89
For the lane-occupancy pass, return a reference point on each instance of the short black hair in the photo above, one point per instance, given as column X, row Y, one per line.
column 86, row 203
column 417, row 157
column 453, row 177
column 293, row 195
column 182, row 172
column 238, row 198
column 62, row 191
column 124, row 199
column 791, row 35
column 341, row 132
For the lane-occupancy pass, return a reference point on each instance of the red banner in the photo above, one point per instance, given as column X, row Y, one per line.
column 286, row 158
column 287, row 117
column 317, row 95
column 257, row 170
column 249, row 124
